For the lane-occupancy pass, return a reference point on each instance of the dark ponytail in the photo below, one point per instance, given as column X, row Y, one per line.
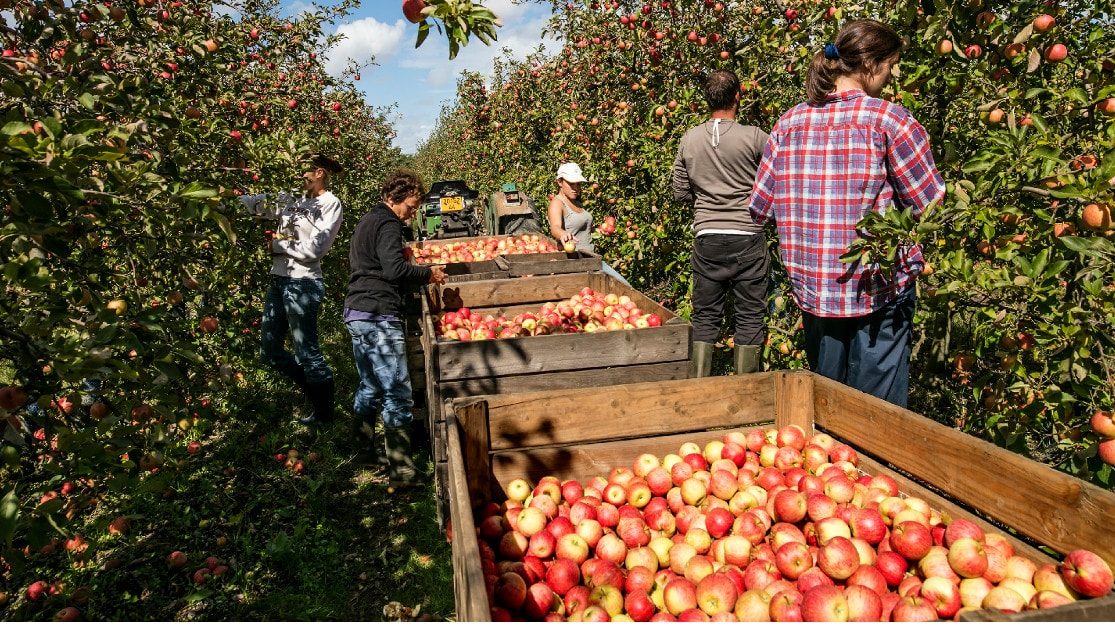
column 859, row 47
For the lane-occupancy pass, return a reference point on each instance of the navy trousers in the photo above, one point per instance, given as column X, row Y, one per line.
column 869, row 353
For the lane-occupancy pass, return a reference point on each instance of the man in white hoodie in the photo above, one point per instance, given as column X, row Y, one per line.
column 306, row 230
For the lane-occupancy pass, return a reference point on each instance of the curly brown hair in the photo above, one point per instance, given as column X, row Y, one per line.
column 401, row 185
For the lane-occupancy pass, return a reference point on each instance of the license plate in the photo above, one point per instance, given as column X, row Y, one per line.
column 452, row 204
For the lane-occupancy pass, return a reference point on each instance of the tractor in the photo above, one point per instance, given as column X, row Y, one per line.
column 453, row 210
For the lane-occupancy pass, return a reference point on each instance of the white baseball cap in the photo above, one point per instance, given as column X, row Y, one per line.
column 571, row 172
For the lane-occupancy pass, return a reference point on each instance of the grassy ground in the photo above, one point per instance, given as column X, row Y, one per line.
column 328, row 544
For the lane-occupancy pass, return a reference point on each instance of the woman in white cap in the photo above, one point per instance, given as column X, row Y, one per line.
column 569, row 221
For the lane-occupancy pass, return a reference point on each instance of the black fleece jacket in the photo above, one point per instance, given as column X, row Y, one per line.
column 380, row 274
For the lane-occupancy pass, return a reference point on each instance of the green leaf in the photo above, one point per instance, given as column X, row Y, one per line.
column 9, row 517
column 226, row 226
column 1078, row 94
column 87, row 100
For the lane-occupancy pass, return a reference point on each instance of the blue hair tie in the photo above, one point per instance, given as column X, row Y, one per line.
column 831, row 51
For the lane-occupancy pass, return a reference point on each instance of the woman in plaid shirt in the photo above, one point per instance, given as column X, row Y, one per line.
column 829, row 162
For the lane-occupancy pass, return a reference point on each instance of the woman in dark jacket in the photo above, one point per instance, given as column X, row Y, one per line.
column 381, row 275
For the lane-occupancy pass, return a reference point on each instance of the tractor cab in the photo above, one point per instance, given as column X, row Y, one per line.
column 511, row 212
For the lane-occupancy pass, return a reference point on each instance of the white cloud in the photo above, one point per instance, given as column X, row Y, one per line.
column 364, row 40
column 435, row 75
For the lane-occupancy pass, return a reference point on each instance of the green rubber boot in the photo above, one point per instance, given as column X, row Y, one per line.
column 746, row 358
column 700, row 359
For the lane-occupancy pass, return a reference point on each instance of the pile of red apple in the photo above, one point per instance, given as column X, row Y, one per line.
column 755, row 527
column 587, row 312
column 434, row 252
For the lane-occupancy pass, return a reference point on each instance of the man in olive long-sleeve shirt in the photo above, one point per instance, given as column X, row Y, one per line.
column 715, row 171
column 380, row 276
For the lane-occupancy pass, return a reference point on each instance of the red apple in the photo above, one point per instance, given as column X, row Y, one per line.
column 838, row 558
column 864, row 604
column 1004, row 599
column 913, row 608
column 412, row 10
column 1102, row 421
column 639, row 606
column 541, row 600
column 785, row 605
column 967, row 558
column 892, row 565
column 679, row 596
column 824, row 603
column 793, row 559
column 716, row 593
column 943, row 594
column 867, row 524
column 973, row 590
column 1086, row 573
column 511, row 590
column 962, row 528
column 790, row 506
column 753, row 606
column 911, row 539
column 562, row 575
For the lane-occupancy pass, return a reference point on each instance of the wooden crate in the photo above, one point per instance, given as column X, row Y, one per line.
column 463, row 369
column 531, row 264
column 467, row 271
column 583, row 433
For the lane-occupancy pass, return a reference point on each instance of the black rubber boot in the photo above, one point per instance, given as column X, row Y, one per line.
column 321, row 400
column 747, row 358
column 700, row 359
column 401, row 469
column 366, row 442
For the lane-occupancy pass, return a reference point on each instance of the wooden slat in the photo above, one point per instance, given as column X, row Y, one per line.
column 629, row 410
column 551, row 263
column 480, row 294
column 1037, row 501
column 468, row 575
column 911, row 488
column 1099, row 609
column 561, row 352
column 472, row 417
column 794, row 400
column 588, row 378
column 582, row 462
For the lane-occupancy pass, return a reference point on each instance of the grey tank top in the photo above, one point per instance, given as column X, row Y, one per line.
column 580, row 225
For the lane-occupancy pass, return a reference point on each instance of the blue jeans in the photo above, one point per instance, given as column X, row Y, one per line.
column 379, row 349
column 293, row 305
column 869, row 353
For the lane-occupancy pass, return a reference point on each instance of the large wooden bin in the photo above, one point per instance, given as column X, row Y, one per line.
column 582, row 433
column 463, row 369
column 498, row 267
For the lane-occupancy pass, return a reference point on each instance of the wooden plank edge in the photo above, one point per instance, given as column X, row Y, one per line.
column 1097, row 609
column 468, row 575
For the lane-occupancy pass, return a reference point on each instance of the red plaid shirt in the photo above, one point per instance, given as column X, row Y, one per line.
column 824, row 168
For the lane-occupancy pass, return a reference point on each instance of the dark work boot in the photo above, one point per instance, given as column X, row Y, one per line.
column 321, row 400
column 401, row 469
column 366, row 441
column 700, row 359
column 746, row 358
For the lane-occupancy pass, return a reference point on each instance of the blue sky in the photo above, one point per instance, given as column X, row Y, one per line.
column 419, row 80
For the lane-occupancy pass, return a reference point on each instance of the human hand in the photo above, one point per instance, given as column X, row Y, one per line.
column 437, row 275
